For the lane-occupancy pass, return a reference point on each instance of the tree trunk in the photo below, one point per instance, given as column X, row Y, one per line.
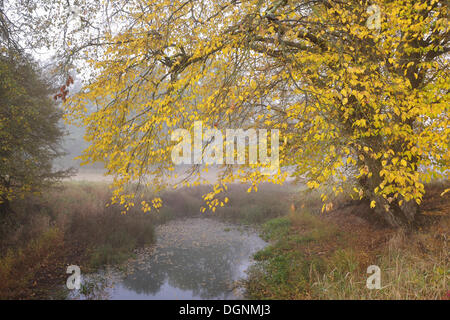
column 389, row 211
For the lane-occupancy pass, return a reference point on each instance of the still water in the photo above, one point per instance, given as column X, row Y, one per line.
column 194, row 258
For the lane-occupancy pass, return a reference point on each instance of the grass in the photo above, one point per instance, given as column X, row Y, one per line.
column 84, row 232
column 19, row 267
column 312, row 256
column 255, row 207
column 91, row 235
column 283, row 270
column 406, row 272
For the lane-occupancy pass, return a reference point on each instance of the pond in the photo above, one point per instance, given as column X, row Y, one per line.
column 195, row 258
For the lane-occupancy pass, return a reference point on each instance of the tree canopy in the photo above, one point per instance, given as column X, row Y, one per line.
column 356, row 102
column 30, row 130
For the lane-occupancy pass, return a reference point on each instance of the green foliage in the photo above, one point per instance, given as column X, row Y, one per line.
column 30, row 131
column 276, row 228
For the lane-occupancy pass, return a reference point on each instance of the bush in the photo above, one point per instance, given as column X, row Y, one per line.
column 18, row 267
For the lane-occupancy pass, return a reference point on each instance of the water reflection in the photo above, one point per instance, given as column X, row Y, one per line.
column 193, row 259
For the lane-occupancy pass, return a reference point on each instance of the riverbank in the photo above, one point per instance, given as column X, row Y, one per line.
column 326, row 256
column 71, row 225
column 311, row 256
column 193, row 258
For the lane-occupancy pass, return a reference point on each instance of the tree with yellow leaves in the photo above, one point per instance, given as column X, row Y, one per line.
column 358, row 90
